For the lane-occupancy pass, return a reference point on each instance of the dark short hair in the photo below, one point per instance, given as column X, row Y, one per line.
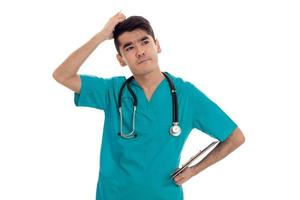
column 130, row 24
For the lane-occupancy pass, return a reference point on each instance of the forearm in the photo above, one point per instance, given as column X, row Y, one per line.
column 221, row 151
column 71, row 65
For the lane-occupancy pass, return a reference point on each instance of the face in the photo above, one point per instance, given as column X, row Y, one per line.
column 138, row 51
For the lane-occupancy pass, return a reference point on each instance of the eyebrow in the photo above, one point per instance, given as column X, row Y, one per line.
column 130, row 43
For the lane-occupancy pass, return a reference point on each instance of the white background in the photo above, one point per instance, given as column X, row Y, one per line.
column 243, row 54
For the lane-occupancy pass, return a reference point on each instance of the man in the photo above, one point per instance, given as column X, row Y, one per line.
column 140, row 167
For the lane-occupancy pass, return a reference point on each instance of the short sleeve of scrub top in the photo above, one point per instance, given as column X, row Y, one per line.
column 94, row 92
column 208, row 117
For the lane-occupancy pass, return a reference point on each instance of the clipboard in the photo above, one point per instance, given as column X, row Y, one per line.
column 186, row 165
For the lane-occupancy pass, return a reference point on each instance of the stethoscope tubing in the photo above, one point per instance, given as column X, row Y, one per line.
column 174, row 130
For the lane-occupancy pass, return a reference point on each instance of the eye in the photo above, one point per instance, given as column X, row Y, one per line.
column 145, row 42
column 129, row 48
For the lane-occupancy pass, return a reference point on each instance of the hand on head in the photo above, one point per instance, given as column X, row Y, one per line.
column 109, row 27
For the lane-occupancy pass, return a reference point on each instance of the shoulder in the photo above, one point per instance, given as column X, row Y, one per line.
column 114, row 80
column 181, row 84
column 117, row 80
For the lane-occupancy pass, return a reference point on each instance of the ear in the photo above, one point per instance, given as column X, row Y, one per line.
column 121, row 60
column 157, row 46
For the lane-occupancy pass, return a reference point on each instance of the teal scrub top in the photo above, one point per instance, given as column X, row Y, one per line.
column 140, row 168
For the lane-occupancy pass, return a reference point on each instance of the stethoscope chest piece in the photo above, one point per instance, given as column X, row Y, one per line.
column 175, row 130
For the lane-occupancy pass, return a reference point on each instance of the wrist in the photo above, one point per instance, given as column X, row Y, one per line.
column 194, row 170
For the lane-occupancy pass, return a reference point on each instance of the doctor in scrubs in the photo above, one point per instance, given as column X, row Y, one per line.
column 139, row 150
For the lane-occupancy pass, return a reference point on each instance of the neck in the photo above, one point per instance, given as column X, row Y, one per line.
column 149, row 81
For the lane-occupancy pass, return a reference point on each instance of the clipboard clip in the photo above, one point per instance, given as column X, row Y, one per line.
column 186, row 165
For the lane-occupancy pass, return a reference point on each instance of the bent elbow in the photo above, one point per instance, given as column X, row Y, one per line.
column 241, row 137
column 57, row 77
column 54, row 75
column 237, row 137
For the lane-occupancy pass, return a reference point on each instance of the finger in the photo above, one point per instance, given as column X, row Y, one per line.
column 181, row 175
column 180, row 181
column 177, row 183
column 118, row 17
column 178, row 177
column 120, row 14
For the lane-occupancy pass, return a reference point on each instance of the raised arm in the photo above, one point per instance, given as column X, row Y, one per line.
column 66, row 73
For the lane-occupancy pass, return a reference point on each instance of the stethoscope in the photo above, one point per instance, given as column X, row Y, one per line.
column 175, row 129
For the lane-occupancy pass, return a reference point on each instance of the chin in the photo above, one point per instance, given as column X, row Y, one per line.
column 145, row 71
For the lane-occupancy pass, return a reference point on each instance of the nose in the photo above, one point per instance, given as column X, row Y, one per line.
column 140, row 52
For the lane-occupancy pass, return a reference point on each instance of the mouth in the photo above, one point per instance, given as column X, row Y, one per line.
column 144, row 60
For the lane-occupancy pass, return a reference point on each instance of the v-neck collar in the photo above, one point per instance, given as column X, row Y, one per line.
column 135, row 83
